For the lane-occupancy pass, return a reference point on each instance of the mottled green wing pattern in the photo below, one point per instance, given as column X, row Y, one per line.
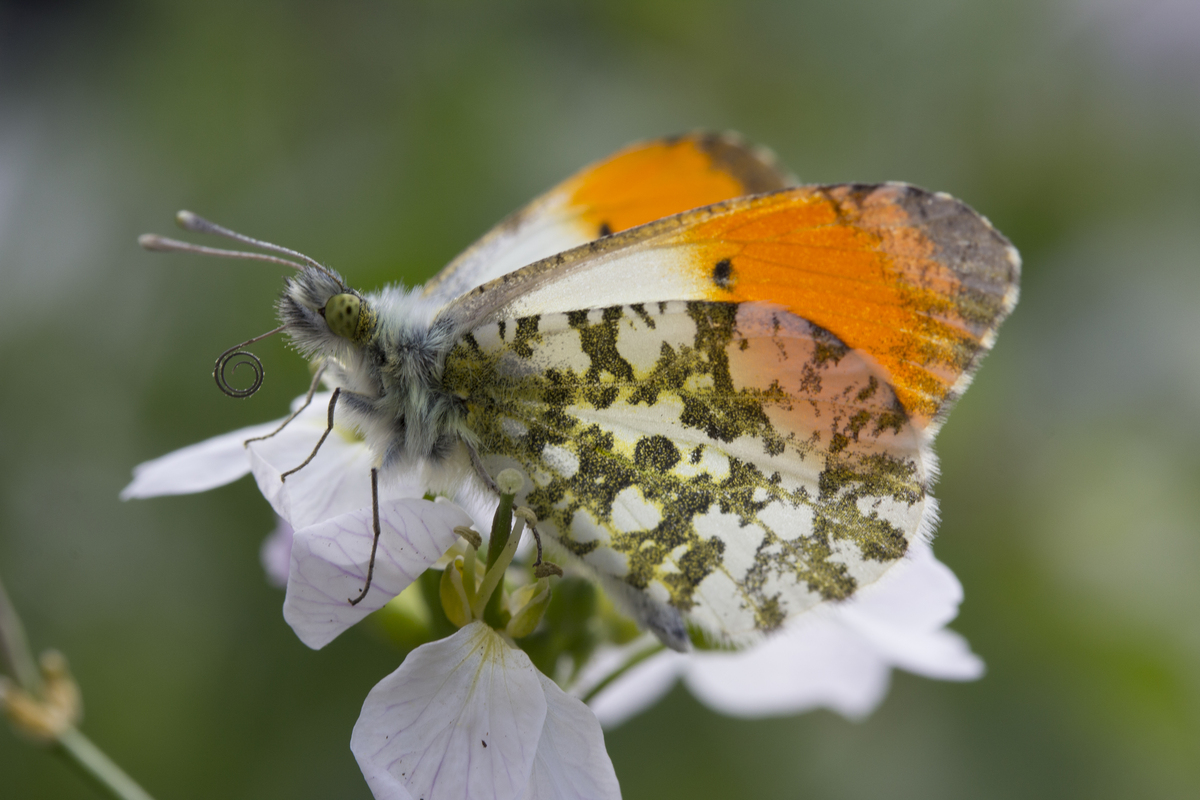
column 730, row 463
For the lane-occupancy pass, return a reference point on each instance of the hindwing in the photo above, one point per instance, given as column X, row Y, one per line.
column 730, row 462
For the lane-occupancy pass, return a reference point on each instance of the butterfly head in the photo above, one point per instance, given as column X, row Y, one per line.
column 324, row 317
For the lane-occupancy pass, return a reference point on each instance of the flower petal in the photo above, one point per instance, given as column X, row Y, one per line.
column 198, row 467
column 818, row 664
column 336, row 481
column 329, row 563
column 838, row 657
column 940, row 654
column 571, row 762
column 919, row 592
column 904, row 619
column 276, row 553
column 460, row 718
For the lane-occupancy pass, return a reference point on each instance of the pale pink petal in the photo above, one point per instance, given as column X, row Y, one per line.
column 571, row 761
column 196, row 468
column 817, row 664
column 329, row 563
column 461, row 718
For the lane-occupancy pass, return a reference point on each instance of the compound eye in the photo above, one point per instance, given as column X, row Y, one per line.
column 343, row 314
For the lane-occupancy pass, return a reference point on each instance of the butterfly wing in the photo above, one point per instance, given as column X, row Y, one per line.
column 640, row 184
column 916, row 280
column 737, row 426
column 727, row 461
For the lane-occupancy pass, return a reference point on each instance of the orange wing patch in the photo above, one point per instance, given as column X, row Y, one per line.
column 650, row 181
column 641, row 184
column 876, row 266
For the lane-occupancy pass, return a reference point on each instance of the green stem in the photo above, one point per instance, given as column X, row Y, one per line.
column 72, row 744
column 15, row 646
column 630, row 663
column 80, row 751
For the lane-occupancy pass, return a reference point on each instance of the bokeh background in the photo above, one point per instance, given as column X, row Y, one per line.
column 383, row 137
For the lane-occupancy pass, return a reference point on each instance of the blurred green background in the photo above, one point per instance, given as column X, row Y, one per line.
column 383, row 137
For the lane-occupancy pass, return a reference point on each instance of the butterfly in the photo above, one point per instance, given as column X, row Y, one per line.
column 723, row 388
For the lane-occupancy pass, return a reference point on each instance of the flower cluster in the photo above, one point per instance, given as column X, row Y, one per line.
column 469, row 715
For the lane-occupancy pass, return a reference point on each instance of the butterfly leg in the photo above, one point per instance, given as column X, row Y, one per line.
column 480, row 471
column 375, row 525
column 332, row 402
column 312, row 389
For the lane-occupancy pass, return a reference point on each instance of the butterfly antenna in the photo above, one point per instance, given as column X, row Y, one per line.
column 193, row 222
column 248, row 360
column 162, row 244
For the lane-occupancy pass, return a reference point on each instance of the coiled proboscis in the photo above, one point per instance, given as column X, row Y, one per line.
column 248, row 360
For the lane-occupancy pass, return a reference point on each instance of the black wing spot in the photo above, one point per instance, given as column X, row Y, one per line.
column 722, row 274
column 656, row 453
column 605, row 229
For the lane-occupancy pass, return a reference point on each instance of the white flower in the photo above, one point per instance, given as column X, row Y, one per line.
column 839, row 658
column 336, row 481
column 329, row 563
column 470, row 716
column 328, row 505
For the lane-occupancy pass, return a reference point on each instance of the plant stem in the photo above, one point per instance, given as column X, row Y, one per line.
column 71, row 744
column 15, row 647
column 630, row 663
column 98, row 767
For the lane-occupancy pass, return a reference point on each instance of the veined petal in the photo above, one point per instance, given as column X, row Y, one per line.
column 329, row 563
column 571, row 761
column 336, row 481
column 461, row 718
column 198, row 467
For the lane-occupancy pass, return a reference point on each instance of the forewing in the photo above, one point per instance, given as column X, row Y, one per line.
column 731, row 462
column 644, row 182
column 916, row 281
